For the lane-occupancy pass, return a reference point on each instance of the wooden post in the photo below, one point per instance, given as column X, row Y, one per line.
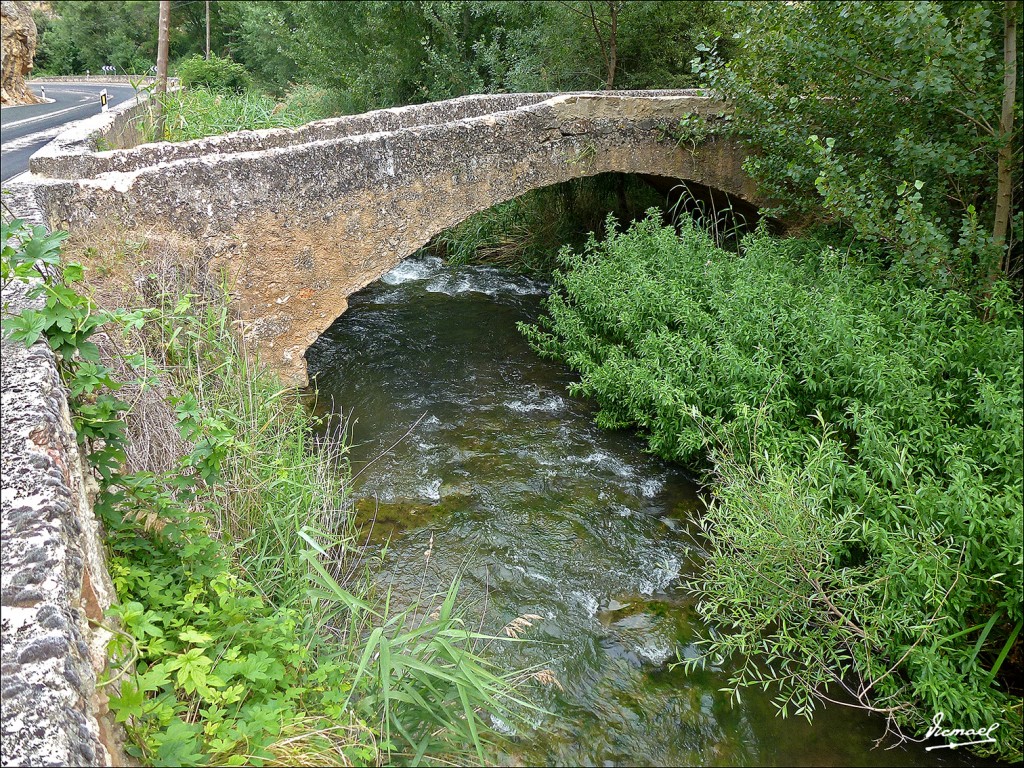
column 163, row 38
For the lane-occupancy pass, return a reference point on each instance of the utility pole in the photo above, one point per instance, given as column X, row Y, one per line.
column 207, row 30
column 163, row 38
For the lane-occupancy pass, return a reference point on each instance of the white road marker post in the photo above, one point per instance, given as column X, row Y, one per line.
column 103, row 100
column 43, row 89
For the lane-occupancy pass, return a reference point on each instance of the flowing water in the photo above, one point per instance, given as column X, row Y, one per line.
column 501, row 476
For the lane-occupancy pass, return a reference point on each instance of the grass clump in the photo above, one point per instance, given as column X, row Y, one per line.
column 865, row 443
column 200, row 111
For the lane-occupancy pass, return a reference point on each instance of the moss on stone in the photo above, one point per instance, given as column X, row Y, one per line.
column 378, row 521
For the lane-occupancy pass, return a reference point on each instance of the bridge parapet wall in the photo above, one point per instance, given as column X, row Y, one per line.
column 298, row 220
column 55, row 585
column 77, row 157
column 61, row 160
column 73, row 152
column 104, row 79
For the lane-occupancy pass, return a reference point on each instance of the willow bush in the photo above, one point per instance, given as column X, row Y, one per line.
column 865, row 437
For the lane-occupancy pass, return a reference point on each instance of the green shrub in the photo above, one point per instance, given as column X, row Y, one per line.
column 867, row 442
column 214, row 73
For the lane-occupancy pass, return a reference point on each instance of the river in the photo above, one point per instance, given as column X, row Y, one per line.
column 503, row 477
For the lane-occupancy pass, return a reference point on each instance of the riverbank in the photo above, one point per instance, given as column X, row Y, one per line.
column 239, row 633
column 483, row 465
column 863, row 440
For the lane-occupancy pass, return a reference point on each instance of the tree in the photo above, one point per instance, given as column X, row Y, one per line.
column 889, row 114
column 80, row 35
column 373, row 50
column 197, row 26
column 382, row 54
column 569, row 46
column 1004, row 192
column 261, row 37
column 87, row 34
column 604, row 20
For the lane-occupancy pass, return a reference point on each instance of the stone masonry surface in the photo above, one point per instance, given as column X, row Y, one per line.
column 54, row 581
column 54, row 584
column 296, row 220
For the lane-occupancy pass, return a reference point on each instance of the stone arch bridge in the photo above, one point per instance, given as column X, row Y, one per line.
column 299, row 219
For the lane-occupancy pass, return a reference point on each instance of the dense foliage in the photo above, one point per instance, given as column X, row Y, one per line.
column 867, row 437
column 387, row 53
column 380, row 54
column 888, row 116
column 214, row 73
column 76, row 36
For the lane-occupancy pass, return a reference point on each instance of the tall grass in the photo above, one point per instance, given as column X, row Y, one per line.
column 194, row 113
column 420, row 683
column 712, row 212
column 283, row 583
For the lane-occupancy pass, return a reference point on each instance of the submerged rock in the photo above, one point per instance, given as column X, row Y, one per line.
column 379, row 521
column 645, row 632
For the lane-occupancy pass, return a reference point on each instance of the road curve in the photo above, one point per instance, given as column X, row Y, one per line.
column 24, row 129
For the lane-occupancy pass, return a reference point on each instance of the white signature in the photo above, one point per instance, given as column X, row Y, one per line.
column 980, row 735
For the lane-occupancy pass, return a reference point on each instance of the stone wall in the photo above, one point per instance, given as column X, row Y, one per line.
column 298, row 220
column 71, row 153
column 55, row 587
column 103, row 79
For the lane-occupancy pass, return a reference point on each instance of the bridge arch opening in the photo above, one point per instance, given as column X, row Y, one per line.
column 526, row 232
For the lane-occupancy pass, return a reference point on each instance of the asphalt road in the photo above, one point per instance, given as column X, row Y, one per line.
column 24, row 129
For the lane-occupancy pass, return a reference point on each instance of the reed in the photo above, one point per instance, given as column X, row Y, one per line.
column 244, row 588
